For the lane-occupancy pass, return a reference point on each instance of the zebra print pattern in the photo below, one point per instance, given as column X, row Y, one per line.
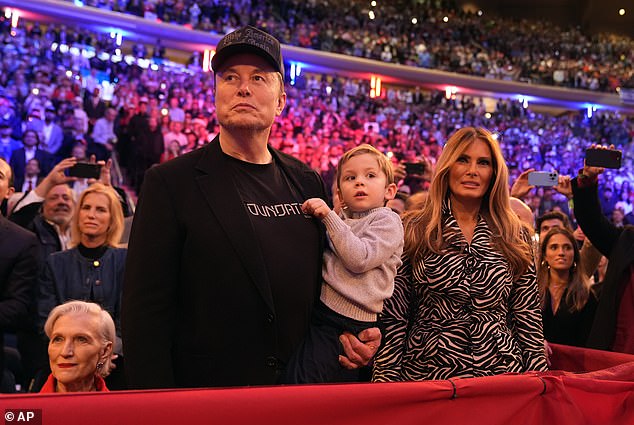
column 460, row 314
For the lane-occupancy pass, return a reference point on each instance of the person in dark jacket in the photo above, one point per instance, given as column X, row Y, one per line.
column 18, row 273
column 612, row 327
column 223, row 268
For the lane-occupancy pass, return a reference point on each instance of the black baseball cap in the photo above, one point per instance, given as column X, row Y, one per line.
column 249, row 40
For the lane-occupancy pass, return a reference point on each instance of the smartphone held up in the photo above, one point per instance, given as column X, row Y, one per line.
column 606, row 158
column 85, row 170
column 543, row 178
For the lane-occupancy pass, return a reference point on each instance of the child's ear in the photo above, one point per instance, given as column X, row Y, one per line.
column 390, row 192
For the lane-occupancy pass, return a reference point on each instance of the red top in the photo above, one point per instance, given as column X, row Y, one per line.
column 49, row 386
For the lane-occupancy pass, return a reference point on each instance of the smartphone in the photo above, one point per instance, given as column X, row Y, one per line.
column 85, row 170
column 543, row 178
column 414, row 167
column 606, row 158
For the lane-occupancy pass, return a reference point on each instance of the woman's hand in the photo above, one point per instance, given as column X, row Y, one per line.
column 359, row 349
column 520, row 186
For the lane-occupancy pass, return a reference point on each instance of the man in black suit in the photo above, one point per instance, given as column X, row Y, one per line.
column 20, row 157
column 18, row 274
column 46, row 211
column 223, row 267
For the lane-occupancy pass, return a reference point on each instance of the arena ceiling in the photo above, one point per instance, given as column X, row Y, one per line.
column 593, row 16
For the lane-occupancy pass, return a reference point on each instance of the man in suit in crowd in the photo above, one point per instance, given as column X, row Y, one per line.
column 53, row 133
column 7, row 143
column 223, row 267
column 18, row 275
column 20, row 157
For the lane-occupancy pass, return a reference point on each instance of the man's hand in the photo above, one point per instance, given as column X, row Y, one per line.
column 56, row 176
column 316, row 207
column 520, row 186
column 359, row 349
column 104, row 174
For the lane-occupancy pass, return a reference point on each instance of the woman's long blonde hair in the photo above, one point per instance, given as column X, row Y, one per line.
column 423, row 228
column 115, row 229
column 578, row 288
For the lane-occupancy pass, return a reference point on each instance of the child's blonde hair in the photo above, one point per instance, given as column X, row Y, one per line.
column 384, row 163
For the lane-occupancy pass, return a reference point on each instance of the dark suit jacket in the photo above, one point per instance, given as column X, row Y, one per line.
column 617, row 244
column 197, row 308
column 18, row 164
column 18, row 277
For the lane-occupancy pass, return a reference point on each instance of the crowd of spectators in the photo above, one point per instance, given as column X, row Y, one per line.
column 443, row 37
column 156, row 112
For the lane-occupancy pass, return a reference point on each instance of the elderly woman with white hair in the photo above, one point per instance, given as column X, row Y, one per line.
column 81, row 336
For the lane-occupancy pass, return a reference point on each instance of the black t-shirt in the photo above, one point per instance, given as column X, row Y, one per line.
column 289, row 242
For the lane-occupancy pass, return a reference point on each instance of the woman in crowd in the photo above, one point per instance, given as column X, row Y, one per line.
column 81, row 336
column 568, row 302
column 465, row 301
column 93, row 269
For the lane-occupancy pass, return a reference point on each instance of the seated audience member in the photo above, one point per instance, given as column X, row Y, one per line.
column 20, row 157
column 618, row 217
column 31, row 176
column 52, row 132
column 551, row 202
column 176, row 133
column 81, row 337
column 7, row 143
column 612, row 327
column 568, row 302
column 47, row 210
column 92, row 270
column 18, row 275
column 552, row 219
column 103, row 135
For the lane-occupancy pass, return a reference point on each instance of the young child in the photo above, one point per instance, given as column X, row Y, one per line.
column 366, row 243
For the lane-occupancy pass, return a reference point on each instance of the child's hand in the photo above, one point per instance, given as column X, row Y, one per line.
column 316, row 207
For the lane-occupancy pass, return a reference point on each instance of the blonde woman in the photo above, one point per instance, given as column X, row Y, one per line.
column 465, row 301
column 92, row 270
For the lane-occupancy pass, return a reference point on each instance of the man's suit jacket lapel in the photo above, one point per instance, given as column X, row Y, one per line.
column 222, row 197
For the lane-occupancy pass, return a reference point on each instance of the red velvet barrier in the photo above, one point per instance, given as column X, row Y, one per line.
column 603, row 396
column 576, row 359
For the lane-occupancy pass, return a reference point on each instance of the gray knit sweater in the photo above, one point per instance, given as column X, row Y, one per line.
column 359, row 269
